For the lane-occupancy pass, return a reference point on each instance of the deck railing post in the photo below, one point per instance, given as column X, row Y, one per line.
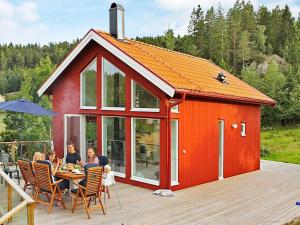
column 30, row 213
column 45, row 148
column 9, row 199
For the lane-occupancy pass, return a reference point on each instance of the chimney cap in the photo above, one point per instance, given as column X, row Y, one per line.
column 221, row 77
column 116, row 6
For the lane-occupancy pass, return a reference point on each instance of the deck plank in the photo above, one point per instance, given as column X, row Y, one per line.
column 267, row 196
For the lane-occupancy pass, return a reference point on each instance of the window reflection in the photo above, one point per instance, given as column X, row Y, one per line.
column 114, row 142
column 113, row 86
column 146, row 149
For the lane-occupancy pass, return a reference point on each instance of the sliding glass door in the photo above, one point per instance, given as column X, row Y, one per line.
column 174, row 152
column 73, row 132
column 113, row 134
column 145, row 134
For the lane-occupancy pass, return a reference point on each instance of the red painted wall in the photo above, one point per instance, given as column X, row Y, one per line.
column 66, row 100
column 198, row 127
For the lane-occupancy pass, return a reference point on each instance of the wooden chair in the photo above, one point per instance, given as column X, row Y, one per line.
column 45, row 184
column 27, row 174
column 90, row 191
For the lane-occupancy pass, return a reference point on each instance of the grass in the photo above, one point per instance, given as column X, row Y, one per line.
column 281, row 145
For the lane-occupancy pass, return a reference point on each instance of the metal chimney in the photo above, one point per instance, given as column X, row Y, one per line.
column 116, row 21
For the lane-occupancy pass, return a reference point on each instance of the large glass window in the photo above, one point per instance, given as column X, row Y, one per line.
column 91, row 133
column 114, row 142
column 72, row 132
column 88, row 86
column 113, row 86
column 146, row 150
column 174, row 152
column 142, row 99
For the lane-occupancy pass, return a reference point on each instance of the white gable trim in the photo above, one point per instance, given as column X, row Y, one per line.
column 92, row 35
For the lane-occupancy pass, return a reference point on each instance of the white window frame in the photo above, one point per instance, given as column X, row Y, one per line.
column 118, row 174
column 176, row 182
column 81, row 74
column 81, row 133
column 133, row 150
column 134, row 109
column 109, row 108
column 243, row 129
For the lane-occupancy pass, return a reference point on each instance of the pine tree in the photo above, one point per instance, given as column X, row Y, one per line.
column 261, row 39
column 196, row 29
column 244, row 50
column 169, row 39
column 209, row 30
column 263, row 16
column 234, row 19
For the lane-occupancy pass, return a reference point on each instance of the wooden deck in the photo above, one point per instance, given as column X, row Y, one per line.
column 262, row 197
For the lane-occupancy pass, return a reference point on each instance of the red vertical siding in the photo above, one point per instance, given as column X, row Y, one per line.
column 198, row 136
column 66, row 100
column 198, row 126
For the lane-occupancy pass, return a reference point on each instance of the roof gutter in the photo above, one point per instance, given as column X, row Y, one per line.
column 230, row 98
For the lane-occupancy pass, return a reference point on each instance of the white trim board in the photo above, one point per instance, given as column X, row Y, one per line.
column 93, row 35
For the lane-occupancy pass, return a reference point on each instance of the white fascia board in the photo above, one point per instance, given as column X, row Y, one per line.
column 92, row 35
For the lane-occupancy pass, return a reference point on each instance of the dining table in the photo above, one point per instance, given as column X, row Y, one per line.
column 69, row 175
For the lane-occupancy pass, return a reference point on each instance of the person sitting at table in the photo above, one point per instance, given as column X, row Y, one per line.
column 37, row 156
column 51, row 157
column 92, row 158
column 72, row 156
column 43, row 156
column 55, row 166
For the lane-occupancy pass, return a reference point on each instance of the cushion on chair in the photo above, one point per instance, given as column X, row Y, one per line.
column 103, row 160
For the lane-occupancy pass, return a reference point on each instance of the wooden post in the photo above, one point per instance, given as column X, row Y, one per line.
column 13, row 148
column 45, row 148
column 30, row 213
column 9, row 200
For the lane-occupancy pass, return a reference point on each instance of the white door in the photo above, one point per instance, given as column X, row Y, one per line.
column 221, row 149
column 74, row 132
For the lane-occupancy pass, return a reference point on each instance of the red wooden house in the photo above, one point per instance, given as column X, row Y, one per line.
column 165, row 119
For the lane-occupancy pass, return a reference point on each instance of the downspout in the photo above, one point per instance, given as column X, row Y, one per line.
column 169, row 135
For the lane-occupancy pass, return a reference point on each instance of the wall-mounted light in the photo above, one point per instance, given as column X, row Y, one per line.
column 234, row 126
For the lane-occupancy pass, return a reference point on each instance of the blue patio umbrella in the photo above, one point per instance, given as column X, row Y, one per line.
column 25, row 106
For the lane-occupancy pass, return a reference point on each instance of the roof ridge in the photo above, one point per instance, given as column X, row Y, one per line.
column 165, row 64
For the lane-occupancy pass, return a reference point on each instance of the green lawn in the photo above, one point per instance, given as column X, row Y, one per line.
column 282, row 145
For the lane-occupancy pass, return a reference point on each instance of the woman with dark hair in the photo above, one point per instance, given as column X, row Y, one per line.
column 51, row 157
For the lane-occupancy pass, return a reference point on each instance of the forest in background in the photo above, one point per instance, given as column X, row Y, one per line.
column 260, row 47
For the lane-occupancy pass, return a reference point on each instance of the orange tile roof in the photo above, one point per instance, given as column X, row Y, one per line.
column 188, row 73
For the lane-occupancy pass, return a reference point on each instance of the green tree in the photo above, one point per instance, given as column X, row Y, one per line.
column 169, row 39
column 234, row 20
column 261, row 39
column 221, row 56
column 21, row 126
column 196, row 29
column 244, row 50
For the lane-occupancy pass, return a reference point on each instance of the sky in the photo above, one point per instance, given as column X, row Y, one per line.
column 44, row 21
